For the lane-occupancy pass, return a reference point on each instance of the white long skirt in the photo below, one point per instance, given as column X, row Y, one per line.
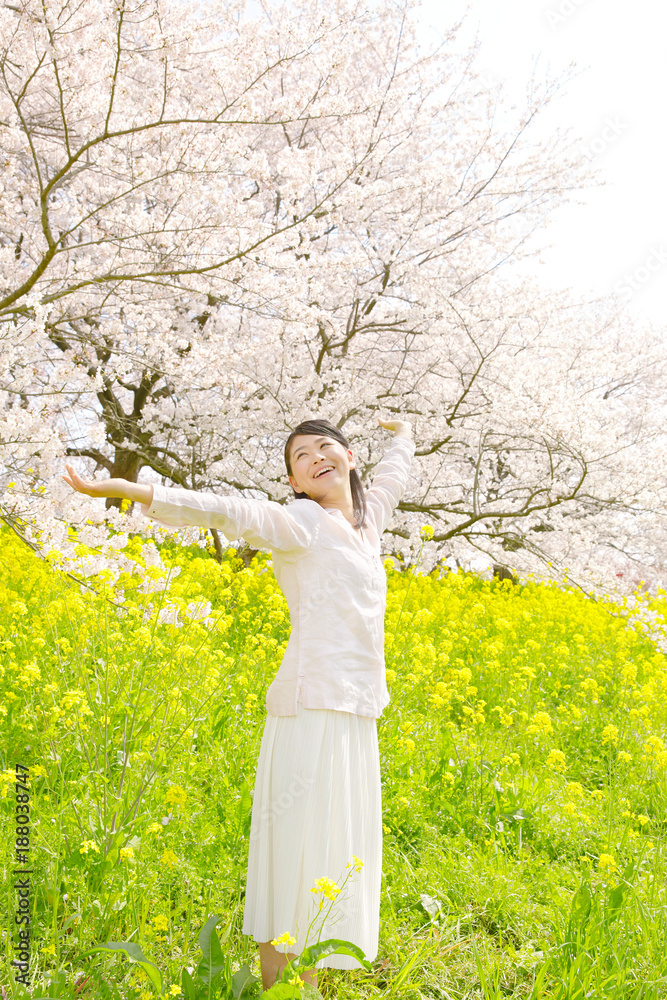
column 317, row 802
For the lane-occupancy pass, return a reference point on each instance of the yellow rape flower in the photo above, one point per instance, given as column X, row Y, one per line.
column 606, row 863
column 161, row 923
column 175, row 795
column 629, row 672
column 610, row 734
column 426, row 532
column 169, row 859
column 655, row 748
column 327, row 887
column 541, row 723
column 423, row 617
column 285, row 938
column 556, row 760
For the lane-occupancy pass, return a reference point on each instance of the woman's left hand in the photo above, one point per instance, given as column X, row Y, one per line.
column 401, row 428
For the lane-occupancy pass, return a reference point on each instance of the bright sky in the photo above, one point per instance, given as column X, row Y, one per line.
column 617, row 104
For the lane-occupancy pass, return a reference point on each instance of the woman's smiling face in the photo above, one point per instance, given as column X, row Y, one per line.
column 319, row 465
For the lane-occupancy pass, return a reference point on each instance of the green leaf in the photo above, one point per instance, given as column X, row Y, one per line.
column 309, row 992
column 188, row 986
column 332, row 946
column 582, row 902
column 213, row 961
column 66, row 924
column 282, row 991
column 244, row 810
column 615, row 901
column 135, row 955
column 218, row 722
column 241, row 980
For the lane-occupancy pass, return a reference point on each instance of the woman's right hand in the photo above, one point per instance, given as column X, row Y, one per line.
column 401, row 428
column 105, row 488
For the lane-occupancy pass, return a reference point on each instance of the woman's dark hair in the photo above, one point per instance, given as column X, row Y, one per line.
column 324, row 429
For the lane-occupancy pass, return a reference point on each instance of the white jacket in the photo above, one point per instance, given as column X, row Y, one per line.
column 331, row 575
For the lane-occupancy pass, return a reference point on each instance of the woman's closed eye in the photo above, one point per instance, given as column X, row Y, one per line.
column 304, row 454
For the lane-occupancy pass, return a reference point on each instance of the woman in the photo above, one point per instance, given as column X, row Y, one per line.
column 317, row 799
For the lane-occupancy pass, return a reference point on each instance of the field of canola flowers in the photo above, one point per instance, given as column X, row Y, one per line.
column 523, row 763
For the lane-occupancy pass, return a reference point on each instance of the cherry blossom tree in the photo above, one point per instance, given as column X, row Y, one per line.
column 215, row 222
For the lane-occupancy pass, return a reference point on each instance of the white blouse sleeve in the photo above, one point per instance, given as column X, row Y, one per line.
column 265, row 524
column 389, row 481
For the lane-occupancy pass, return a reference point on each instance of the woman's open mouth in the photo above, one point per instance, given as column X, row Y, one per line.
column 324, row 472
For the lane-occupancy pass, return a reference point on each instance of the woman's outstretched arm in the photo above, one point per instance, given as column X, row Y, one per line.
column 265, row 524
column 391, row 474
column 122, row 488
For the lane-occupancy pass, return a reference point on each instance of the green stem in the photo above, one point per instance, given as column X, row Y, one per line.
column 407, row 589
